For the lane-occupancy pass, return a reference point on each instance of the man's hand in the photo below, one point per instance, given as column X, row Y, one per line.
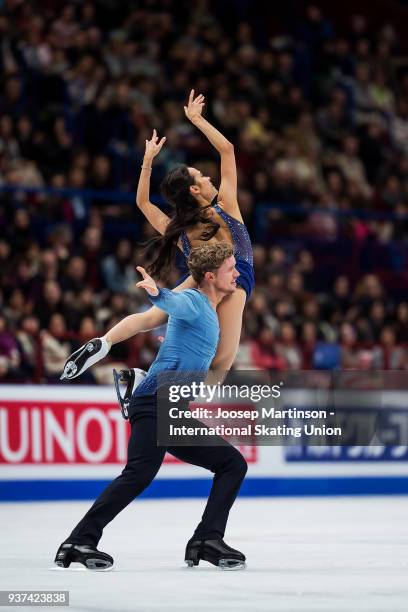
column 153, row 147
column 147, row 283
column 195, row 106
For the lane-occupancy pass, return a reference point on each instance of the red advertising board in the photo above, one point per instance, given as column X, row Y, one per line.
column 63, row 432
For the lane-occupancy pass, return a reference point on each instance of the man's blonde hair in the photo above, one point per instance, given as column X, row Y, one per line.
column 208, row 258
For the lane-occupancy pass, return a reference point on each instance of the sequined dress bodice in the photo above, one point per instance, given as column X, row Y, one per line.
column 239, row 234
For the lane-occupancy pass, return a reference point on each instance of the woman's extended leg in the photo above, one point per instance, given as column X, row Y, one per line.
column 96, row 349
column 135, row 323
column 143, row 321
column 230, row 313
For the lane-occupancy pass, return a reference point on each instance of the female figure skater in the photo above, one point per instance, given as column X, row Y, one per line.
column 201, row 213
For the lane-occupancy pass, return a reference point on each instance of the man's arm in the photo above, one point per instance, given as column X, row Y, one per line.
column 182, row 305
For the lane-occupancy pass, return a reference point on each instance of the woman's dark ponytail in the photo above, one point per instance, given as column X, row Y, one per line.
column 187, row 213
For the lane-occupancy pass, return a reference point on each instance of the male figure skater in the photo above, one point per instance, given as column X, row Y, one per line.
column 190, row 345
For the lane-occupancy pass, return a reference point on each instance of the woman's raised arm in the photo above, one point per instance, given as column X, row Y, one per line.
column 153, row 214
column 227, row 194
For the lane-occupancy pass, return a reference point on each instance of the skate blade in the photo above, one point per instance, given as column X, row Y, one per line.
column 78, row 567
column 86, row 357
column 231, row 565
column 71, row 568
column 91, row 564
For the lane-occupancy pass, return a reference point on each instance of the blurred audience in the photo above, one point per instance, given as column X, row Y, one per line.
column 319, row 120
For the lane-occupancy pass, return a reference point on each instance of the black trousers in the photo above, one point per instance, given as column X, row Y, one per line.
column 144, row 461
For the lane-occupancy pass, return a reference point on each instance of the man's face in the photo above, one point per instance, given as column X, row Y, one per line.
column 202, row 185
column 226, row 276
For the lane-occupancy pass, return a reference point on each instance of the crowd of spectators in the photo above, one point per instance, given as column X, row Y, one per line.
column 319, row 118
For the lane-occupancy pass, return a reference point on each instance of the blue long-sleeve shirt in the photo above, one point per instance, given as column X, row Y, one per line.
column 191, row 339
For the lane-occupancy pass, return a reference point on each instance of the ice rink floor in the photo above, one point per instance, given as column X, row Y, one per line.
column 328, row 554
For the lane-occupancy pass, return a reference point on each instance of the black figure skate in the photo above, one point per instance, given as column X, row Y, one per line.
column 216, row 552
column 85, row 357
column 132, row 378
column 85, row 554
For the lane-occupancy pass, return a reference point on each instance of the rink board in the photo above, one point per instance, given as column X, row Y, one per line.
column 67, row 443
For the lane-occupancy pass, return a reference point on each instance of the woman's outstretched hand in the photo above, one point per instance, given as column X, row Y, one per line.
column 148, row 284
column 195, row 106
column 154, row 146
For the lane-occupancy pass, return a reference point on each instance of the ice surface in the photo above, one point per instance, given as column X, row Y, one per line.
column 303, row 554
